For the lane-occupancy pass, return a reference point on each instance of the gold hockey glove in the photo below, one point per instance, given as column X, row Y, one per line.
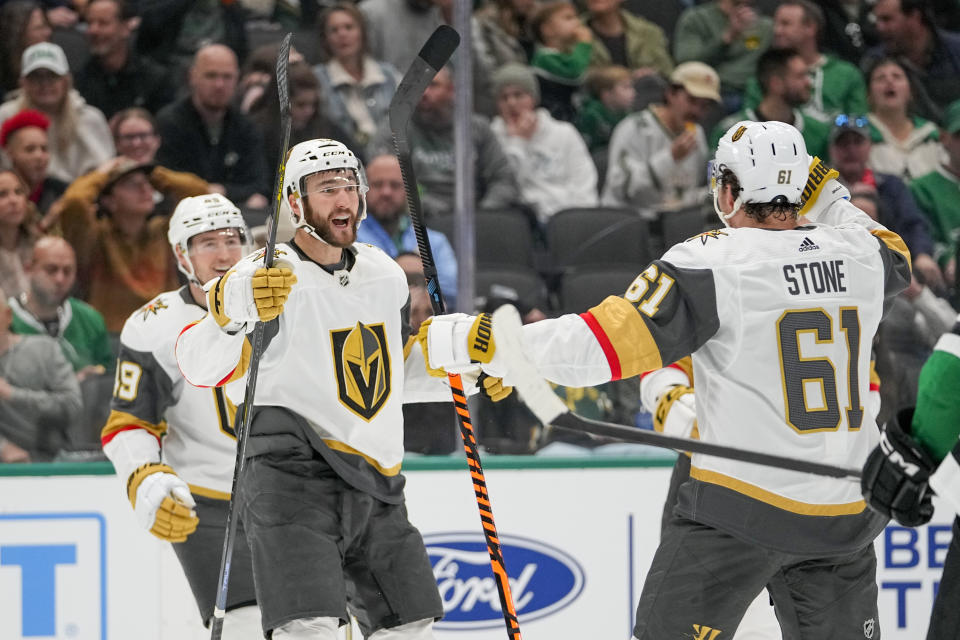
column 162, row 502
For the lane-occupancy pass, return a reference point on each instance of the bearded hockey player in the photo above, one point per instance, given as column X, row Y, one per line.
column 173, row 444
column 321, row 494
column 778, row 317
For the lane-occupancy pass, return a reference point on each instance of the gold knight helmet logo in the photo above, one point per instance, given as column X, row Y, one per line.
column 362, row 361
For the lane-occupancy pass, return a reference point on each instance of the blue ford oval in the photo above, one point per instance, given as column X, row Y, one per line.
column 543, row 579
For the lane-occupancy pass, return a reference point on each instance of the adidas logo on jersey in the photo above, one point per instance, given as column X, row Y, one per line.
column 808, row 245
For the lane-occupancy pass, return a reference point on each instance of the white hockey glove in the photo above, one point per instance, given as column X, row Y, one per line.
column 162, row 502
column 249, row 292
column 822, row 190
column 456, row 343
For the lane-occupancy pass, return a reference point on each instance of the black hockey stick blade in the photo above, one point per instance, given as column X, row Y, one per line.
column 283, row 89
column 434, row 54
column 550, row 410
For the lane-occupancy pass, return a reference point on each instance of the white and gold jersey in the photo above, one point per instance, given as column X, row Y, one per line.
column 340, row 356
column 156, row 416
column 780, row 325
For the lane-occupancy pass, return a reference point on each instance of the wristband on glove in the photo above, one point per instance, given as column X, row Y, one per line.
column 895, row 480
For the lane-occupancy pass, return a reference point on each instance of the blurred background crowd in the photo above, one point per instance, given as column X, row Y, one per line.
column 593, row 121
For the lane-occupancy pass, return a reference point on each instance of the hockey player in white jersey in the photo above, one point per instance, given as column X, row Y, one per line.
column 778, row 317
column 173, row 444
column 321, row 493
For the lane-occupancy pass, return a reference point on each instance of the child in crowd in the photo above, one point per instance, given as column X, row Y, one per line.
column 561, row 55
column 610, row 97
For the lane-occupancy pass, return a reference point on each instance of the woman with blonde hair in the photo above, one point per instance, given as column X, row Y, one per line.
column 355, row 89
column 18, row 232
column 79, row 138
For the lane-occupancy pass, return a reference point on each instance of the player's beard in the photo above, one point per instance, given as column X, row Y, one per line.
column 332, row 234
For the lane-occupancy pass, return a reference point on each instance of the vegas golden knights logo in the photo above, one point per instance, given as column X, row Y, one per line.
column 739, row 133
column 362, row 362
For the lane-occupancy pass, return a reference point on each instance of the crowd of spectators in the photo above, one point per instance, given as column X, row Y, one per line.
column 113, row 110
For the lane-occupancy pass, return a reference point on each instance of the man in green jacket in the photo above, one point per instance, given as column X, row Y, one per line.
column 836, row 85
column 786, row 86
column 729, row 36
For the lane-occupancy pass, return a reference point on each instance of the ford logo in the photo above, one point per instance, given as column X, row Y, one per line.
column 543, row 579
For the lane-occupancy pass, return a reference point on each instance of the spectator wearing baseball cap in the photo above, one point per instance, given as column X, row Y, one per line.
column 78, row 136
column 657, row 155
column 109, row 217
column 938, row 194
column 23, row 139
column 850, row 145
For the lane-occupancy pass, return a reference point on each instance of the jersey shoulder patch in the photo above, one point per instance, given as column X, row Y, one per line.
column 159, row 322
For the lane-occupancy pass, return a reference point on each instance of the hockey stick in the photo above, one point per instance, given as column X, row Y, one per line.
column 243, row 425
column 551, row 410
column 431, row 58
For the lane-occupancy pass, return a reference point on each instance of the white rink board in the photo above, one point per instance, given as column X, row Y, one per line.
column 71, row 546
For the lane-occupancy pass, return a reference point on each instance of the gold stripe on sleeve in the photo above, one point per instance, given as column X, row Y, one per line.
column 120, row 420
column 893, row 242
column 629, row 335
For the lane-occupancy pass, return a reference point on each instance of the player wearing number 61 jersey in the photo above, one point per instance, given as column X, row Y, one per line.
column 172, row 444
column 779, row 314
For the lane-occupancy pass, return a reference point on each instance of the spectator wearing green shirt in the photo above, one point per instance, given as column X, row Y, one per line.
column 938, row 195
column 46, row 308
column 729, row 36
column 836, row 85
column 560, row 58
column 785, row 84
column 610, row 96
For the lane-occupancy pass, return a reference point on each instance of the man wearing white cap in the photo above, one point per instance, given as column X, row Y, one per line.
column 79, row 138
column 657, row 155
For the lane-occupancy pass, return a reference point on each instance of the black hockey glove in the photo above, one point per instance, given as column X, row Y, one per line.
column 895, row 480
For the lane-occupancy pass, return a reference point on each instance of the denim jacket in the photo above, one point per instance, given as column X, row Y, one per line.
column 379, row 84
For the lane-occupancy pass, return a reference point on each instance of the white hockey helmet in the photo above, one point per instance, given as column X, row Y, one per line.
column 198, row 214
column 314, row 156
column 769, row 160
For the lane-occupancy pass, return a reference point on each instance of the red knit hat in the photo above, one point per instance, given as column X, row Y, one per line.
column 25, row 118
